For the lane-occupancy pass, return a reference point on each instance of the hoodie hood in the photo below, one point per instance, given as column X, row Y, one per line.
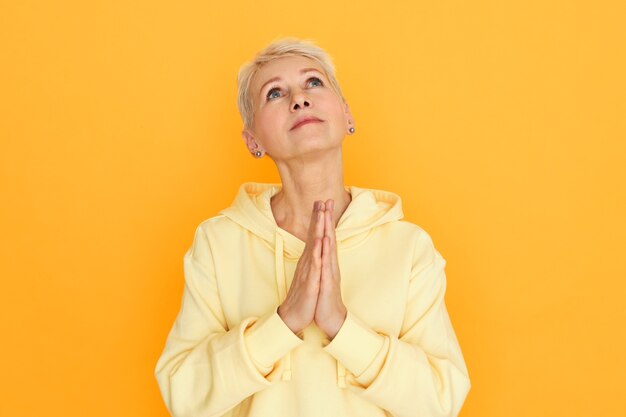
column 251, row 209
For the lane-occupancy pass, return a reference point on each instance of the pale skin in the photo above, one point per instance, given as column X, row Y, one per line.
column 313, row 196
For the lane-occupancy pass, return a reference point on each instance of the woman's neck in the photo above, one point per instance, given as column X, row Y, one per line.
column 304, row 184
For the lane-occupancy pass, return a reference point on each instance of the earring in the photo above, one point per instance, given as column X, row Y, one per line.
column 258, row 153
column 351, row 130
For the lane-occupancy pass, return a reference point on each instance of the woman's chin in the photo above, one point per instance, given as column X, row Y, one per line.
column 316, row 146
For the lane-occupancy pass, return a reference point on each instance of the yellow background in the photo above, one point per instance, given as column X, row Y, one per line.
column 501, row 125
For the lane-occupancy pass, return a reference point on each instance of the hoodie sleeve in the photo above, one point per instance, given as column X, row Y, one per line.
column 205, row 368
column 420, row 373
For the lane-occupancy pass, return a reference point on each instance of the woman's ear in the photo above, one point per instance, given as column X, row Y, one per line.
column 248, row 139
column 348, row 114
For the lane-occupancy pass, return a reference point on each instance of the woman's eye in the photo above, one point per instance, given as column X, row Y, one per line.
column 269, row 95
column 317, row 79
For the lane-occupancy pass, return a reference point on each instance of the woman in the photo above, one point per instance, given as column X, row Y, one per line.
column 309, row 298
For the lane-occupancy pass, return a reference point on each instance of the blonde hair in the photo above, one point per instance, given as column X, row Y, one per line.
column 282, row 47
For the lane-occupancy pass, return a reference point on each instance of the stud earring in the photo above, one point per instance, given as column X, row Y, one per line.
column 351, row 130
column 258, row 153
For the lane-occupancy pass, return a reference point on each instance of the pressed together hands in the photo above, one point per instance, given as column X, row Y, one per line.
column 315, row 292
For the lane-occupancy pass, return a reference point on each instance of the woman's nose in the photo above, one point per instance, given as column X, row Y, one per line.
column 299, row 100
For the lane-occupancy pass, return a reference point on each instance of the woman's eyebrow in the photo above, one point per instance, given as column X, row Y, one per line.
column 302, row 71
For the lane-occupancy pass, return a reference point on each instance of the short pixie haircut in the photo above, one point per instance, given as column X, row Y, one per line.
column 282, row 47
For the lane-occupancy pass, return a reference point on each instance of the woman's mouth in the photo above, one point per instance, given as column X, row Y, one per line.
column 306, row 122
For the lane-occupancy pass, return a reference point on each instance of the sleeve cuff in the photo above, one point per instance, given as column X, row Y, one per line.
column 356, row 346
column 268, row 340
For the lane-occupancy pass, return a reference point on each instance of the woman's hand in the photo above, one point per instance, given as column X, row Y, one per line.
column 330, row 311
column 298, row 308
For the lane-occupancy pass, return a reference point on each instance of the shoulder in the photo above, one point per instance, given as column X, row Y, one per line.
column 416, row 232
column 215, row 224
column 423, row 245
column 208, row 230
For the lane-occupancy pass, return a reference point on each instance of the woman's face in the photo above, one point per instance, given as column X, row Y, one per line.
column 286, row 90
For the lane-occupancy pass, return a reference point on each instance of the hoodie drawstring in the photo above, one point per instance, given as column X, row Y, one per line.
column 341, row 375
column 281, row 285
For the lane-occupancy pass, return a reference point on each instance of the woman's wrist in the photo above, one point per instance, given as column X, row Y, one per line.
column 336, row 326
column 286, row 320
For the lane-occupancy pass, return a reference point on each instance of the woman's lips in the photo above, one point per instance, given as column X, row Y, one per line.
column 306, row 122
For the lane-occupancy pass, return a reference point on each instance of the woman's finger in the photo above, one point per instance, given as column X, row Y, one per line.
column 333, row 264
column 313, row 222
column 317, row 253
column 331, row 220
column 319, row 225
column 328, row 223
column 326, row 262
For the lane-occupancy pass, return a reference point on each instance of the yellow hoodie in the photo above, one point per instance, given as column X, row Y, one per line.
column 230, row 354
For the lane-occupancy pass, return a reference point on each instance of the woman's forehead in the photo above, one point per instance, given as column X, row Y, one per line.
column 276, row 69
